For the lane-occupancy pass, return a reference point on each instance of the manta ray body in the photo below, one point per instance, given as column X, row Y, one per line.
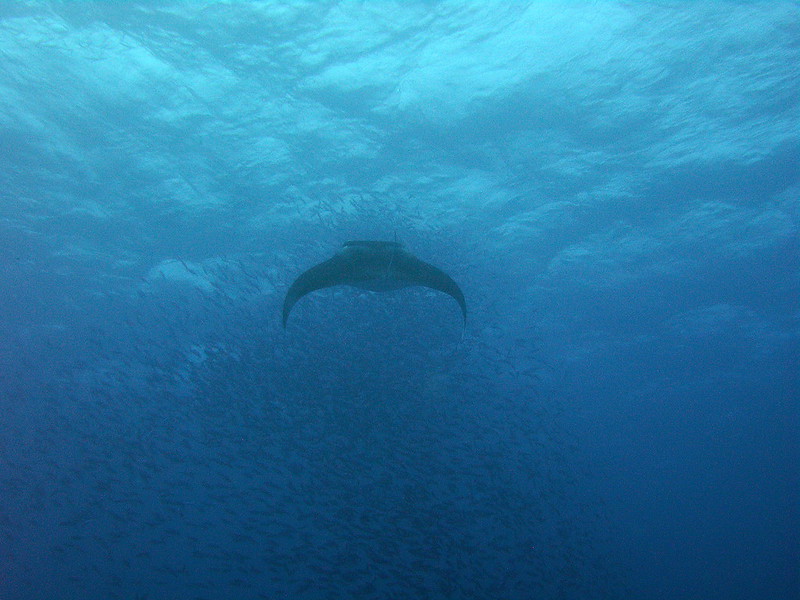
column 375, row 266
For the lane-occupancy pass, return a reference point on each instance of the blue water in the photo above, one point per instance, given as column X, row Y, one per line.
column 614, row 185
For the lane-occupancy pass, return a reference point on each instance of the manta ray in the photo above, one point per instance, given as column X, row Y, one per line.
column 374, row 266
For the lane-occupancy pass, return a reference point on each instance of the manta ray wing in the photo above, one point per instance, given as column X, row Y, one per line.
column 334, row 271
column 417, row 272
column 378, row 266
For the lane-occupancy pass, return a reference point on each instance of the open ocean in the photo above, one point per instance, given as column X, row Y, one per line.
column 615, row 186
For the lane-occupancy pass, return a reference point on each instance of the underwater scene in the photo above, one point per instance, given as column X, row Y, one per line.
column 399, row 300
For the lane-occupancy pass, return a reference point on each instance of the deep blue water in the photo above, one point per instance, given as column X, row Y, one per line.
column 614, row 185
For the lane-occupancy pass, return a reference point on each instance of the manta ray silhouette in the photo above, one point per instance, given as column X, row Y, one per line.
column 375, row 266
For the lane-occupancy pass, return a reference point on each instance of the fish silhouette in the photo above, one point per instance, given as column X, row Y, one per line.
column 374, row 266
